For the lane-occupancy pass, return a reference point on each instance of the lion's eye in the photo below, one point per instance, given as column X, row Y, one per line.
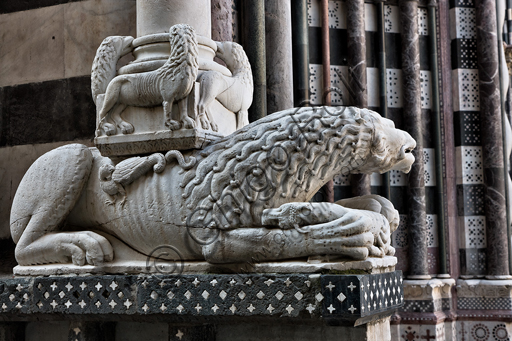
column 305, row 211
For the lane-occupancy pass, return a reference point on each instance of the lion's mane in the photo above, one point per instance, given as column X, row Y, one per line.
column 281, row 155
column 182, row 60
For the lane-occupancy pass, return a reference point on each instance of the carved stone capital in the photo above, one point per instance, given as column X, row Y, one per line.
column 428, row 289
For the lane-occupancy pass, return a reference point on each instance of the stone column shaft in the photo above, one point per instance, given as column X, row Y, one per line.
column 418, row 268
column 253, row 23
column 492, row 139
column 222, row 20
column 278, row 43
column 157, row 16
column 356, row 48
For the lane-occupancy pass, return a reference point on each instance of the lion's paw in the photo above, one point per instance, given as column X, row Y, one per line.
column 204, row 122
column 173, row 125
column 188, row 123
column 126, row 128
column 109, row 129
column 86, row 247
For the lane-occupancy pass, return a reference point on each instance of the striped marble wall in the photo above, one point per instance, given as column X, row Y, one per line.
column 339, row 80
column 466, row 106
column 45, row 94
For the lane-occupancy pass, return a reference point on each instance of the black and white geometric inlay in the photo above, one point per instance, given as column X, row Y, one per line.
column 361, row 295
column 286, row 295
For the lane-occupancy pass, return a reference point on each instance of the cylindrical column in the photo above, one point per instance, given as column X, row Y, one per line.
column 356, row 48
column 300, row 42
column 278, row 33
column 328, row 188
column 383, row 91
column 253, row 22
column 222, row 20
column 418, row 266
column 157, row 16
column 492, row 140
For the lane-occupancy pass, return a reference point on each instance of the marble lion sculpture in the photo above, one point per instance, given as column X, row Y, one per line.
column 234, row 93
column 220, row 204
column 171, row 82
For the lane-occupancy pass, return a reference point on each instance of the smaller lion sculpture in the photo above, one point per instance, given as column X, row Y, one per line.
column 234, row 93
column 170, row 83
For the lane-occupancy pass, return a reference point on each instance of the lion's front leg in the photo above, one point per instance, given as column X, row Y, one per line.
column 334, row 229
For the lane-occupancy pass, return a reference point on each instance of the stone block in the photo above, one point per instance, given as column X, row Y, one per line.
column 32, row 45
column 86, row 24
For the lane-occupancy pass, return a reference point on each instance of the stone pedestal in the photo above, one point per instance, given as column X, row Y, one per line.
column 355, row 307
column 151, row 135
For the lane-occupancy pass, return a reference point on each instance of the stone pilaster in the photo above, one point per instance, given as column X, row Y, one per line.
column 492, row 139
column 278, row 44
column 418, row 268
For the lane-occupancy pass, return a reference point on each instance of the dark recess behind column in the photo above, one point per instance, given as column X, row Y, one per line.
column 52, row 111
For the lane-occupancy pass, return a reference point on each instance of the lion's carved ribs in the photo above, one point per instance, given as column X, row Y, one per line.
column 282, row 159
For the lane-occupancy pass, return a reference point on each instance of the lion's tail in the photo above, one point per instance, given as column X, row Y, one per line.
column 105, row 61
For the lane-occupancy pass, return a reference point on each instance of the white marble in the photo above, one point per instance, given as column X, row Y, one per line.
column 155, row 202
column 14, row 163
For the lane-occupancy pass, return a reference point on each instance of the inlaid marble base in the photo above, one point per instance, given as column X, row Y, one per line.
column 337, row 299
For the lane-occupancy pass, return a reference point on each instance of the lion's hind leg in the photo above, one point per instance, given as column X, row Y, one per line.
column 109, row 102
column 48, row 192
column 126, row 127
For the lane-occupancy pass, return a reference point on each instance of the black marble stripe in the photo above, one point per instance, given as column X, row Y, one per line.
column 340, row 192
column 472, row 261
column 470, row 200
column 398, row 198
column 464, row 54
column 393, row 50
column 52, row 111
column 424, row 52
column 430, row 200
column 10, row 6
column 462, row 3
column 426, row 121
column 396, row 115
column 467, row 128
column 371, row 49
column 338, row 40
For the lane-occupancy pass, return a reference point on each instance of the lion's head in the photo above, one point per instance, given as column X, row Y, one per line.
column 391, row 148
